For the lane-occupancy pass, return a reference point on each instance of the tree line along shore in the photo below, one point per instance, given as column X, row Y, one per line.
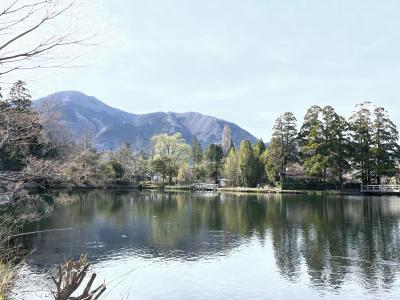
column 324, row 152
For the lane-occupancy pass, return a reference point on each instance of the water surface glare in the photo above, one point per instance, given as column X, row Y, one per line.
column 153, row 245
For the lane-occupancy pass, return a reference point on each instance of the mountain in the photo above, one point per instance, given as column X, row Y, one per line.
column 111, row 127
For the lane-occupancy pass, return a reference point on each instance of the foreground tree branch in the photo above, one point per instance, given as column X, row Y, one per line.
column 30, row 34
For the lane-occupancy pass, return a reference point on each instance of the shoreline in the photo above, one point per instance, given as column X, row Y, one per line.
column 349, row 192
column 273, row 191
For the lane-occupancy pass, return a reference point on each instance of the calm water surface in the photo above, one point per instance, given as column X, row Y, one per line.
column 150, row 245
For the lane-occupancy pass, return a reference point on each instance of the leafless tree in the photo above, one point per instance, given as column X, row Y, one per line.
column 70, row 276
column 87, row 137
column 54, row 130
column 226, row 139
column 36, row 34
column 18, row 130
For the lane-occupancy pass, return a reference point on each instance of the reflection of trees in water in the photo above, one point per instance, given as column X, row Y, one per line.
column 331, row 237
column 335, row 238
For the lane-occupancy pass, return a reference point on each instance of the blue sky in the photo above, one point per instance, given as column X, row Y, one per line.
column 244, row 61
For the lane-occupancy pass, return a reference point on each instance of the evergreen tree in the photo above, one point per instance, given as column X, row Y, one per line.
column 247, row 164
column 310, row 140
column 283, row 147
column 361, row 129
column 196, row 151
column 334, row 144
column 271, row 162
column 20, row 97
column 21, row 133
column 385, row 151
column 324, row 143
column 214, row 156
column 259, row 149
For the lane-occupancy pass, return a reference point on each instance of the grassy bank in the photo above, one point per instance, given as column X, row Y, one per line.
column 267, row 190
column 6, row 279
column 279, row 191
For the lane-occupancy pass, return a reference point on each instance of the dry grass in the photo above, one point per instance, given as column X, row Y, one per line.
column 6, row 279
column 11, row 252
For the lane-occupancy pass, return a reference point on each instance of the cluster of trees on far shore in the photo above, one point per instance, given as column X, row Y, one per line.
column 327, row 148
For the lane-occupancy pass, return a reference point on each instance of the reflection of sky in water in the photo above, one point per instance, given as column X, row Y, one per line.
column 180, row 246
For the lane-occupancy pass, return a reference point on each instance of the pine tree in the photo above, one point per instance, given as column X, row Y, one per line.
column 283, row 145
column 214, row 156
column 271, row 162
column 196, row 151
column 310, row 139
column 385, row 150
column 259, row 149
column 336, row 144
column 362, row 143
column 21, row 136
column 20, row 97
column 324, row 143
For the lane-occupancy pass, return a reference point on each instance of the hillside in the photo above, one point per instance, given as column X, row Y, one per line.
column 111, row 127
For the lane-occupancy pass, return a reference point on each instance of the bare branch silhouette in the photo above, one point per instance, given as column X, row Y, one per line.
column 31, row 35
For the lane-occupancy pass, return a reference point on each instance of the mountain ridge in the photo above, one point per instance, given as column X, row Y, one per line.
column 110, row 126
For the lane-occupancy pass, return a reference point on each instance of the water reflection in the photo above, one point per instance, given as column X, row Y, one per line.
column 331, row 239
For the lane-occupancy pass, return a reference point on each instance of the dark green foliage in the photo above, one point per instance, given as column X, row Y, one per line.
column 112, row 169
column 272, row 164
column 336, row 144
column 21, row 133
column 282, row 150
column 159, row 165
column 361, row 133
column 199, row 172
column 213, row 157
column 196, row 151
column 313, row 185
column 259, row 149
column 385, row 149
column 324, row 143
column 361, row 125
column 310, row 141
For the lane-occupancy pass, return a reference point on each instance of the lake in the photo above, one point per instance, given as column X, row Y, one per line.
column 159, row 245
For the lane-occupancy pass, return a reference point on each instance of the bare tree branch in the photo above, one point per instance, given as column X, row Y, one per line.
column 32, row 31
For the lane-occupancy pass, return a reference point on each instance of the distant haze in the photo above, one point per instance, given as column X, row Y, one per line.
column 243, row 61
